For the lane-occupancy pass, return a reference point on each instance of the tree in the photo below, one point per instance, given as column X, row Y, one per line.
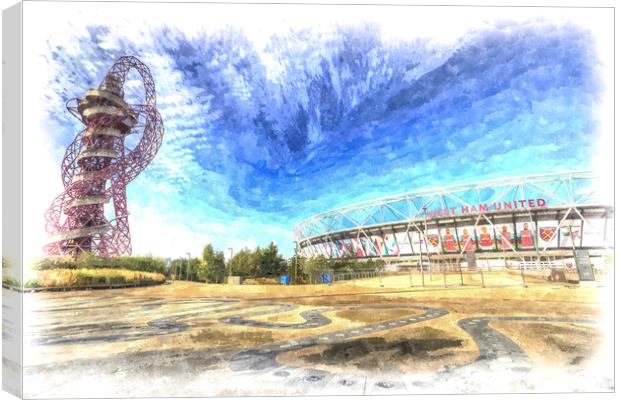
column 196, row 269
column 270, row 262
column 141, row 263
column 177, row 268
column 346, row 264
column 180, row 268
column 213, row 267
column 320, row 263
column 296, row 268
column 315, row 264
column 245, row 263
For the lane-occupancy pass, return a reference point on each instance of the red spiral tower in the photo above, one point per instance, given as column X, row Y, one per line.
column 91, row 214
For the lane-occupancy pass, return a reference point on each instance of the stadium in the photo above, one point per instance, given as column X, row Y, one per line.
column 537, row 221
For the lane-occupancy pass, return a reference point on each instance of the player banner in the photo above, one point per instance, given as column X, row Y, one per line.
column 466, row 238
column 542, row 234
column 486, row 241
column 505, row 236
column 449, row 239
column 525, row 237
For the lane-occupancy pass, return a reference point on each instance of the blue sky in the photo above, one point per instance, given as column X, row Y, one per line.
column 262, row 133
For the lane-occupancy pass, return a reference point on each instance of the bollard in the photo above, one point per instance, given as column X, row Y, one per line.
column 482, row 277
column 445, row 285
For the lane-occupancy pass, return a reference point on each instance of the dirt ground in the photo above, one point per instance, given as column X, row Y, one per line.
column 558, row 346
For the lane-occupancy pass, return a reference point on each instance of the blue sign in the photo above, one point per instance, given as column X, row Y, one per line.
column 285, row 279
column 326, row 278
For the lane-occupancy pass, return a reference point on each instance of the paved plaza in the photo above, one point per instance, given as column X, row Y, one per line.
column 194, row 339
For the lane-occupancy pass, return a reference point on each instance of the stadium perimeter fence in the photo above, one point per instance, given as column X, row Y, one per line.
column 445, row 275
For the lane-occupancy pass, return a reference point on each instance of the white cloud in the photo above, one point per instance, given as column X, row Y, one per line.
column 159, row 223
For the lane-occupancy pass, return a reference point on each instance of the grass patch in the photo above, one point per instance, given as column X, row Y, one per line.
column 62, row 277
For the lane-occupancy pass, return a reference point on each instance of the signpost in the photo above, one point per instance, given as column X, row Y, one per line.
column 584, row 266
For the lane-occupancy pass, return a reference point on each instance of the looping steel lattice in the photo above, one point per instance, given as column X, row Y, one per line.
column 97, row 166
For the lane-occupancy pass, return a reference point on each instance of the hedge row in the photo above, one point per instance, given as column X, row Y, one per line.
column 90, row 277
column 89, row 260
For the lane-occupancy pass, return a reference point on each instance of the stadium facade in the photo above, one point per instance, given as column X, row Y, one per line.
column 536, row 218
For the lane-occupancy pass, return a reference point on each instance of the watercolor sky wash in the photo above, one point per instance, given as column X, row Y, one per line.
column 271, row 120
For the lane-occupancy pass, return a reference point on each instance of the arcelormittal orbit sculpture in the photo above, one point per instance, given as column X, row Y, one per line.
column 91, row 214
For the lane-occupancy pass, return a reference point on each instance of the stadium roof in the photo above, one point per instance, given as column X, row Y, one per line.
column 561, row 189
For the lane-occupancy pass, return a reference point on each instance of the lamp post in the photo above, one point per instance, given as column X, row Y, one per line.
column 295, row 264
column 421, row 268
column 230, row 262
column 430, row 264
column 187, row 271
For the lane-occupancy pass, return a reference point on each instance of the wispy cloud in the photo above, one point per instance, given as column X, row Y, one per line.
column 259, row 136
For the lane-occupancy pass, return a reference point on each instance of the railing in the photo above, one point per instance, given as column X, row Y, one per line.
column 532, row 274
column 353, row 275
column 558, row 264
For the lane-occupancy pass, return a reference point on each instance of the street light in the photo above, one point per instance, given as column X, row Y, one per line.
column 295, row 263
column 230, row 262
column 430, row 264
column 187, row 270
column 421, row 268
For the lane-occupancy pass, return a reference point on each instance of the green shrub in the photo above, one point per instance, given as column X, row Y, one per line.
column 141, row 263
column 90, row 260
column 64, row 262
column 91, row 277
column 33, row 283
column 10, row 281
column 348, row 264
